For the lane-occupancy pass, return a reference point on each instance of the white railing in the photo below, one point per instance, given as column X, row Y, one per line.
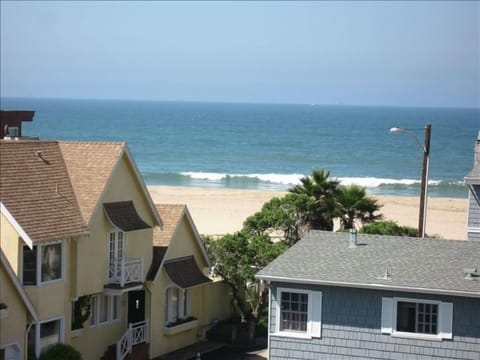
column 136, row 333
column 126, row 271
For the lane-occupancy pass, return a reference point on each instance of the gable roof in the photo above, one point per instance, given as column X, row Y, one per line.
column 36, row 189
column 14, row 223
column 172, row 215
column 18, row 286
column 90, row 165
column 413, row 264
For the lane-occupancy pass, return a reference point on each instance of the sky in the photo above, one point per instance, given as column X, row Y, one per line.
column 354, row 53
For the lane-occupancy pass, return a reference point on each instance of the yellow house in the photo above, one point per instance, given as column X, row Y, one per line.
column 88, row 244
column 17, row 313
column 185, row 301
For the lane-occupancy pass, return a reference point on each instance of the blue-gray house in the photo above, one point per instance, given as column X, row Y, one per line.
column 473, row 182
column 340, row 295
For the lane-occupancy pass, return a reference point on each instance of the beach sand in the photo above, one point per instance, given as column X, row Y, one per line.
column 220, row 211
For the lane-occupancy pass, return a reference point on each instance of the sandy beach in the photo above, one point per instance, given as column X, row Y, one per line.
column 219, row 211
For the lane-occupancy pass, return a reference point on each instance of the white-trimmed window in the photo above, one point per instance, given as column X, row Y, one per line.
column 43, row 264
column 299, row 313
column 105, row 309
column 417, row 318
column 177, row 304
column 116, row 254
column 45, row 334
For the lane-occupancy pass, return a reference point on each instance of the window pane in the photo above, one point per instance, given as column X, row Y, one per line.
column 417, row 317
column 49, row 334
column 93, row 315
column 103, row 308
column 29, row 266
column 293, row 314
column 116, row 307
column 51, row 262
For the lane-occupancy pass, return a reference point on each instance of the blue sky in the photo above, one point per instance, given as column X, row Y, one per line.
column 360, row 53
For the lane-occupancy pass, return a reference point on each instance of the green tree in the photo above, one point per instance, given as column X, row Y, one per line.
column 389, row 227
column 354, row 204
column 289, row 214
column 324, row 192
column 237, row 258
column 61, row 352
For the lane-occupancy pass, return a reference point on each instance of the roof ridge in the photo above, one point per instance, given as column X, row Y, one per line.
column 100, row 142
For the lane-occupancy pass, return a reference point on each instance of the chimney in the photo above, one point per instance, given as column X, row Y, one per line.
column 353, row 238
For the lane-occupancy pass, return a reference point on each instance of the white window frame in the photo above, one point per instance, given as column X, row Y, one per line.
column 314, row 314
column 444, row 319
column 37, row 332
column 38, row 260
column 183, row 304
column 119, row 251
column 96, row 310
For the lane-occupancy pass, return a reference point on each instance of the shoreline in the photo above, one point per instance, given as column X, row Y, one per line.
column 217, row 211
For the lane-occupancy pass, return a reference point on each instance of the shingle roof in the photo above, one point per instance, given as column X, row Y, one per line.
column 157, row 258
column 36, row 189
column 171, row 215
column 90, row 165
column 124, row 216
column 414, row 264
column 184, row 272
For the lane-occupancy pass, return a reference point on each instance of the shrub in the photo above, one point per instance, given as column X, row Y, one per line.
column 389, row 227
column 61, row 352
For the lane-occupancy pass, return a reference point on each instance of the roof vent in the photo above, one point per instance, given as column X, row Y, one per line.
column 471, row 274
column 353, row 239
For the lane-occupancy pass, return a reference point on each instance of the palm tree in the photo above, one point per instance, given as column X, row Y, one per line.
column 324, row 191
column 354, row 204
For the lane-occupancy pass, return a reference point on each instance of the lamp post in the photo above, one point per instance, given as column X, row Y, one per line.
column 422, row 216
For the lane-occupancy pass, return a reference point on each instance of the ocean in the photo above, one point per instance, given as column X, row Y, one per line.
column 270, row 146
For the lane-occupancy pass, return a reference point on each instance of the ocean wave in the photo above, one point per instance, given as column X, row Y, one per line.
column 282, row 182
column 294, row 179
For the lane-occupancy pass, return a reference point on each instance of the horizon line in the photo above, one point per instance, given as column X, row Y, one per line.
column 239, row 102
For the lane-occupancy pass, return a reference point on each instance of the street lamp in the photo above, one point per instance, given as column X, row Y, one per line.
column 422, row 215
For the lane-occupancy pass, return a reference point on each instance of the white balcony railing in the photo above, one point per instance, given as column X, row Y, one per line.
column 125, row 271
column 136, row 333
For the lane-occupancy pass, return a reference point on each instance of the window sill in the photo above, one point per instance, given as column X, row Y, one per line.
column 77, row 332
column 180, row 328
column 293, row 335
column 418, row 336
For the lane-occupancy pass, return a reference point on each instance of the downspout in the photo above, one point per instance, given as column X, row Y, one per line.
column 25, row 341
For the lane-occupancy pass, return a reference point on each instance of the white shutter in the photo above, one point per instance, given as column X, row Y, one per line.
column 387, row 315
column 446, row 320
column 316, row 314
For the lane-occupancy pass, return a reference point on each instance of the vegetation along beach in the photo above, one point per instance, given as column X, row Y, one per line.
column 229, row 159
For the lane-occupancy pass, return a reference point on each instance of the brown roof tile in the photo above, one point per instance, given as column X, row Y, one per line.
column 90, row 165
column 36, row 189
column 171, row 215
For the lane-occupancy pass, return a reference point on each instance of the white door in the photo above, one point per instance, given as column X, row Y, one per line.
column 116, row 254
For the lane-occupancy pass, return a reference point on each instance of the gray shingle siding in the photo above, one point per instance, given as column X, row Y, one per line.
column 474, row 212
column 351, row 323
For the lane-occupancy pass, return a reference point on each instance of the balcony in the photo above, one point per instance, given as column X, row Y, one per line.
column 125, row 271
